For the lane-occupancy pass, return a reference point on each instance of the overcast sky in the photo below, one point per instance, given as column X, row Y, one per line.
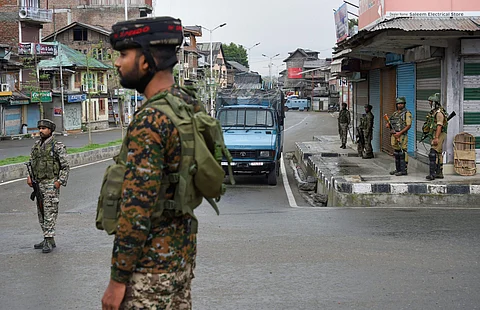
column 280, row 26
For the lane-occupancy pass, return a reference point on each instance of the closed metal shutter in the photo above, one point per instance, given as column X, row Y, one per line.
column 33, row 115
column 429, row 81
column 471, row 100
column 374, row 100
column 361, row 99
column 406, row 88
column 13, row 116
column 389, row 93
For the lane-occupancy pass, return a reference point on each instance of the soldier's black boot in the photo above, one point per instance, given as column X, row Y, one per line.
column 397, row 162
column 439, row 172
column 432, row 156
column 39, row 246
column 48, row 245
column 403, row 165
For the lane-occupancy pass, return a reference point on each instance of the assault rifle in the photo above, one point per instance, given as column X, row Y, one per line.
column 426, row 135
column 392, row 130
column 36, row 188
column 360, row 137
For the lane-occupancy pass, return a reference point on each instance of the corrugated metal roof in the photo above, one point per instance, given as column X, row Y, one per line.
column 430, row 24
column 68, row 57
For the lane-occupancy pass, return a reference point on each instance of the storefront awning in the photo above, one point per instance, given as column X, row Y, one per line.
column 336, row 65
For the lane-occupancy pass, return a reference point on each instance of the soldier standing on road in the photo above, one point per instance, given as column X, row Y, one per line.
column 436, row 127
column 51, row 169
column 365, row 131
column 400, row 123
column 343, row 123
column 153, row 257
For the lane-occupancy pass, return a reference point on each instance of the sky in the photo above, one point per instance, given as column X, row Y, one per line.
column 280, row 26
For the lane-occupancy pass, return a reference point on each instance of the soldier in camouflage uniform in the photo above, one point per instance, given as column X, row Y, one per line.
column 365, row 132
column 400, row 123
column 153, row 260
column 51, row 168
column 343, row 123
column 436, row 128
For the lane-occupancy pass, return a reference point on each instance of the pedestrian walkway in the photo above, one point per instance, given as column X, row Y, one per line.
column 349, row 180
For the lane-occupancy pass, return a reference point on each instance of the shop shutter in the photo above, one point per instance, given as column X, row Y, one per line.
column 73, row 116
column 406, row 88
column 471, row 100
column 428, row 82
column 374, row 100
column 361, row 99
column 389, row 93
column 33, row 115
column 13, row 116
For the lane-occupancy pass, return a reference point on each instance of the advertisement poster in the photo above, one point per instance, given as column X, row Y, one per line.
column 341, row 22
column 294, row 73
column 57, row 111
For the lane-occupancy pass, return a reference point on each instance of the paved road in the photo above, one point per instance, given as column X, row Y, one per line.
column 259, row 253
column 12, row 148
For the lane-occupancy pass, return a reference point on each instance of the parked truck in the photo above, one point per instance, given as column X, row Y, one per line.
column 252, row 121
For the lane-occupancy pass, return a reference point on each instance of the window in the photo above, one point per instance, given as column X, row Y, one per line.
column 246, row 117
column 101, row 107
column 80, row 34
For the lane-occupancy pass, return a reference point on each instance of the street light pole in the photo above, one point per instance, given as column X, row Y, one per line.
column 248, row 55
column 270, row 67
column 211, row 66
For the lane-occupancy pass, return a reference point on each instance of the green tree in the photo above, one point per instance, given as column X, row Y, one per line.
column 234, row 52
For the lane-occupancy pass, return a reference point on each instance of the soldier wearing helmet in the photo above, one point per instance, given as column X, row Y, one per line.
column 365, row 134
column 399, row 123
column 51, row 169
column 151, row 253
column 435, row 127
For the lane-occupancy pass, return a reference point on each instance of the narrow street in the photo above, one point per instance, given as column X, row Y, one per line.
column 259, row 253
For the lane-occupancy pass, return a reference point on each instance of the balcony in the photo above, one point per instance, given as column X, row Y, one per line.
column 142, row 4
column 37, row 15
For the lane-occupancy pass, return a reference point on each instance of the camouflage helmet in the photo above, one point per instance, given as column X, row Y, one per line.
column 46, row 123
column 146, row 32
column 401, row 100
column 435, row 98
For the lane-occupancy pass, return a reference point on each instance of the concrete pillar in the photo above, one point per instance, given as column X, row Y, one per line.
column 452, row 93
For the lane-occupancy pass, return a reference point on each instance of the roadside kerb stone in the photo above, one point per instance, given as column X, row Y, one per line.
column 16, row 171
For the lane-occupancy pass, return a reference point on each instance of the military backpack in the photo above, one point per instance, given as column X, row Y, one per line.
column 200, row 173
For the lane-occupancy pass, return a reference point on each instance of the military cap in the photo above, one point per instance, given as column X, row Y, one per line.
column 435, row 98
column 145, row 32
column 401, row 100
column 46, row 123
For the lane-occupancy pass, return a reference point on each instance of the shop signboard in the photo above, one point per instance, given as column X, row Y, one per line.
column 41, row 96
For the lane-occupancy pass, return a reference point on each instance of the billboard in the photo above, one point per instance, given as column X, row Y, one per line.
column 369, row 12
column 294, row 73
column 431, row 8
column 341, row 22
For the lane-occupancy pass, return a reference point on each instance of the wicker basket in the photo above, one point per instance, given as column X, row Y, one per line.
column 464, row 154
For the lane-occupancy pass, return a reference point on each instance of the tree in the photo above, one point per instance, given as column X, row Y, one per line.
column 236, row 53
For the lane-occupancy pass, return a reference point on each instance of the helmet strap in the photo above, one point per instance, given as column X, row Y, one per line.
column 153, row 67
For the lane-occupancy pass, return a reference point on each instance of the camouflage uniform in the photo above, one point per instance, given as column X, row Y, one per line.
column 343, row 122
column 365, row 133
column 436, row 117
column 153, row 255
column 49, row 163
column 398, row 121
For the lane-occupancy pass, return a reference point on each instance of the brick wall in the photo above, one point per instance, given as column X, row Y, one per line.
column 104, row 17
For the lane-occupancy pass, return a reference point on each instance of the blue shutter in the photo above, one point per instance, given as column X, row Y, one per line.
column 33, row 114
column 13, row 116
column 374, row 101
column 406, row 88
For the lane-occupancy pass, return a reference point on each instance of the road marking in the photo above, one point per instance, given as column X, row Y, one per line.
column 286, row 184
column 73, row 168
column 299, row 123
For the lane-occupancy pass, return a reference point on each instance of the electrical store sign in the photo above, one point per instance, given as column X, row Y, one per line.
column 432, row 14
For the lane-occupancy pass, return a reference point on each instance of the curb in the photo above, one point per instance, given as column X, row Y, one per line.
column 17, row 171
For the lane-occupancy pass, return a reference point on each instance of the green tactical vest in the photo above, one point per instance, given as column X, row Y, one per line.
column 343, row 117
column 398, row 120
column 45, row 161
column 430, row 125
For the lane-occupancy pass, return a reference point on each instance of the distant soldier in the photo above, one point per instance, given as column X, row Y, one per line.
column 399, row 124
column 51, row 169
column 343, row 123
column 436, row 128
column 365, row 134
